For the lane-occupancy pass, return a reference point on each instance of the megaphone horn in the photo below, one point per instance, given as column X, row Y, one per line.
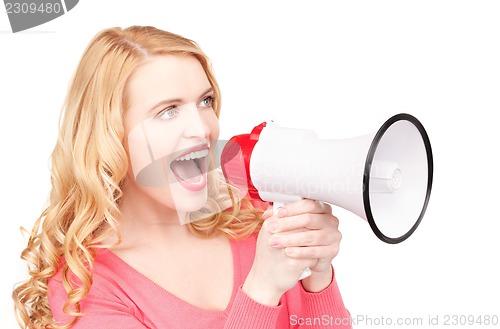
column 384, row 177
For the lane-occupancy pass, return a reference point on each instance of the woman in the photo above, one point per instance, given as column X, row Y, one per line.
column 140, row 233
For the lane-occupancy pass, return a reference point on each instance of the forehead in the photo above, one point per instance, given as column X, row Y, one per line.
column 164, row 77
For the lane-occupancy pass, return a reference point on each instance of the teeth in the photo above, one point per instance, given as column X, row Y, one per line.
column 193, row 155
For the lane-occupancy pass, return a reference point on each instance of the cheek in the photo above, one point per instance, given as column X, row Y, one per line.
column 151, row 141
column 163, row 139
column 213, row 123
column 150, row 147
column 138, row 150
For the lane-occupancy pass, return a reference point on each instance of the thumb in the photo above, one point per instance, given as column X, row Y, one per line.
column 322, row 265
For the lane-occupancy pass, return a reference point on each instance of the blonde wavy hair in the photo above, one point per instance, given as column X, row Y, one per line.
column 89, row 164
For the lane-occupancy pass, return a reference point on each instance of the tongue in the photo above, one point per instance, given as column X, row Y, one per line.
column 186, row 170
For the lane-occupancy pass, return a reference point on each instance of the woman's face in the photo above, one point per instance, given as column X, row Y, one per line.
column 169, row 124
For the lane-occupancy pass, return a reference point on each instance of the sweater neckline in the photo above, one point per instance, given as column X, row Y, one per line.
column 125, row 269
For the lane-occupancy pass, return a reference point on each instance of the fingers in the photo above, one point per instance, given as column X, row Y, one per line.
column 311, row 221
column 304, row 230
column 304, row 206
column 308, row 244
column 320, row 252
column 306, row 238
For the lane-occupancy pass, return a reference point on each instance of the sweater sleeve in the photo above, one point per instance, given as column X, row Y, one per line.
column 247, row 313
column 324, row 309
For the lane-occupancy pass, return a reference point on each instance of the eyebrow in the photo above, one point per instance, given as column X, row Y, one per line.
column 176, row 100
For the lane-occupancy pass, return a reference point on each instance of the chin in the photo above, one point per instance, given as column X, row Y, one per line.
column 188, row 201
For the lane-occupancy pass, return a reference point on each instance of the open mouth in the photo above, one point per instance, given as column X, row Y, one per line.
column 190, row 169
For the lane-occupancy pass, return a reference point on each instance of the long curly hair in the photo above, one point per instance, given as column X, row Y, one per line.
column 89, row 164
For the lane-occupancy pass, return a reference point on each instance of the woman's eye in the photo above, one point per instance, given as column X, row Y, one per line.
column 207, row 101
column 169, row 113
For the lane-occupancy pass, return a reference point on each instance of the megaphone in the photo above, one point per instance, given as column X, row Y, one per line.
column 383, row 177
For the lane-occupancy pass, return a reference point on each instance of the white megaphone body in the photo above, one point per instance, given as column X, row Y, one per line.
column 384, row 177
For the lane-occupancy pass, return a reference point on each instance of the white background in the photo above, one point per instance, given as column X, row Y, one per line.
column 339, row 67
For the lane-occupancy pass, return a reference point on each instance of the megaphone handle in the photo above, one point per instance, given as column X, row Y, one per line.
column 307, row 271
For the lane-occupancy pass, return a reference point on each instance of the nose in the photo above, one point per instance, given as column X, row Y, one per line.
column 196, row 124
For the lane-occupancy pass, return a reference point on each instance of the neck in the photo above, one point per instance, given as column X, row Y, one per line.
column 146, row 223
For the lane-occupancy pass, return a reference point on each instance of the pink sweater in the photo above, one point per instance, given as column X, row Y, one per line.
column 122, row 298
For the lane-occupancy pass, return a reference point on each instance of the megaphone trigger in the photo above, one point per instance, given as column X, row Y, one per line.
column 277, row 206
column 307, row 272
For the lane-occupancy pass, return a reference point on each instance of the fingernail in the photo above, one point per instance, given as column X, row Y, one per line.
column 274, row 242
column 282, row 212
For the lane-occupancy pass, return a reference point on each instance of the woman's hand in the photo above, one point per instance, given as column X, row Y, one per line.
column 307, row 230
column 303, row 234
